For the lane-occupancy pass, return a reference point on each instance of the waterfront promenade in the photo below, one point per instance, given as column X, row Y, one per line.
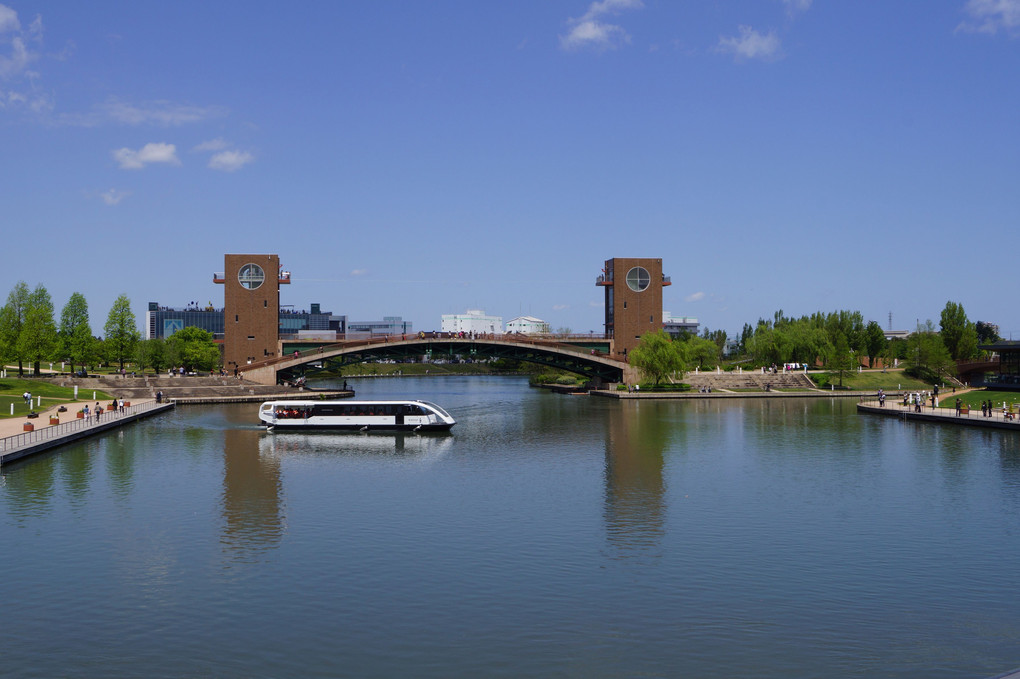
column 16, row 443
column 942, row 415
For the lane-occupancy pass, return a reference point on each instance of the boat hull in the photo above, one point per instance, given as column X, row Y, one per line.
column 358, row 427
column 413, row 416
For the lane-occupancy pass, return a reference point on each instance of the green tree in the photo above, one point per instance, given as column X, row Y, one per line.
column 874, row 342
column 958, row 334
column 121, row 331
column 850, row 324
column 12, row 320
column 702, row 351
column 840, row 361
column 195, row 348
column 763, row 346
column 151, row 353
column 717, row 336
column 657, row 356
column 75, row 335
column 987, row 332
column 38, row 338
column 927, row 354
column 805, row 343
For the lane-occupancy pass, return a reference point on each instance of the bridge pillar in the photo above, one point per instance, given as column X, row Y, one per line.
column 264, row 375
column 631, row 375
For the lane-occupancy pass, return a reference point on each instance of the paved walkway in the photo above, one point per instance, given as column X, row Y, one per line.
column 9, row 426
column 16, row 443
column 972, row 418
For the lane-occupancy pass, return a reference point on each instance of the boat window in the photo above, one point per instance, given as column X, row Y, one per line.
column 291, row 412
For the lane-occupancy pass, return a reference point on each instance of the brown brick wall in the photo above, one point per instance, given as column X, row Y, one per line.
column 251, row 317
column 633, row 313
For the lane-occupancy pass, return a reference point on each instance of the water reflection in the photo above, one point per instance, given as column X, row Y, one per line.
column 252, row 497
column 421, row 447
column 76, row 472
column 637, row 435
column 120, row 462
column 29, row 489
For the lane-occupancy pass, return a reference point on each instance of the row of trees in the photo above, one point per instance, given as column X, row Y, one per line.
column 839, row 341
column 30, row 334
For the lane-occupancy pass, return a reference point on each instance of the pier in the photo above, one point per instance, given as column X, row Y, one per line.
column 943, row 415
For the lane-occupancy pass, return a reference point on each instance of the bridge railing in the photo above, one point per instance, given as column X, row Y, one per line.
column 516, row 338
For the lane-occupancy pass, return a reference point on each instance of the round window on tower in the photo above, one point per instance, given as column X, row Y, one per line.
column 638, row 278
column 251, row 276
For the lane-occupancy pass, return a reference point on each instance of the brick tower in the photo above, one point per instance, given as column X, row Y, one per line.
column 251, row 308
column 633, row 300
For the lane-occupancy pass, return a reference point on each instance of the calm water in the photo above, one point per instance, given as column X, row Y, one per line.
column 547, row 536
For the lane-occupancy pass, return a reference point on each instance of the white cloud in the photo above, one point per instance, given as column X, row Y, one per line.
column 560, row 307
column 113, row 196
column 150, row 153
column 590, row 31
column 8, row 20
column 359, row 272
column 229, row 161
column 695, row 297
column 990, row 16
column 794, row 6
column 163, row 113
column 217, row 144
column 752, row 45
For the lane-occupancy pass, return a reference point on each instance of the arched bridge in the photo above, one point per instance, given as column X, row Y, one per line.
column 596, row 365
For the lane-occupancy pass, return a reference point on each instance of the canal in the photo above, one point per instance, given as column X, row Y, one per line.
column 546, row 536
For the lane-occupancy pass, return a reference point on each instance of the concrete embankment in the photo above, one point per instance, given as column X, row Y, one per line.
column 967, row 418
column 680, row 395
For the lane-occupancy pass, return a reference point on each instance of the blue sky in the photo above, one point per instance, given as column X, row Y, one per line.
column 422, row 158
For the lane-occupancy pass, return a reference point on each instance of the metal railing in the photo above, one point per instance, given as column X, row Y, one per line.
column 551, row 341
column 46, row 433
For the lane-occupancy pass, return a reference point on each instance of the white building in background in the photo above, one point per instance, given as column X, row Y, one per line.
column 527, row 325
column 474, row 321
column 675, row 325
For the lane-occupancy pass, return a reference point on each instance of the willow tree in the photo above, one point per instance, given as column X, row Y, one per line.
column 657, row 356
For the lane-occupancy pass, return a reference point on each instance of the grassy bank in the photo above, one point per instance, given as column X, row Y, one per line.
column 12, row 388
column 873, row 381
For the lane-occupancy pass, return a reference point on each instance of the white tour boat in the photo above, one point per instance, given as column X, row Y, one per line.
column 355, row 415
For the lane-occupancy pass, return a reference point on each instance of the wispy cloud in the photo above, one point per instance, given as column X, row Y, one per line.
column 695, row 297
column 114, row 196
column 16, row 56
column 591, row 31
column 796, row 6
column 560, row 307
column 8, row 20
column 991, row 16
column 161, row 113
column 752, row 45
column 359, row 272
column 129, row 159
column 217, row 144
column 229, row 161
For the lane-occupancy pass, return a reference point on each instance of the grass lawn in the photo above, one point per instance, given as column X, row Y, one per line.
column 947, row 399
column 872, row 381
column 12, row 388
